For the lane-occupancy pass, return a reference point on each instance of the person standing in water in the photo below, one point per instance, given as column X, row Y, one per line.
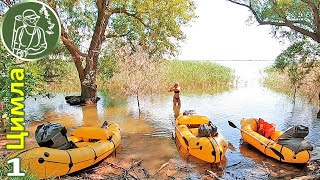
column 176, row 95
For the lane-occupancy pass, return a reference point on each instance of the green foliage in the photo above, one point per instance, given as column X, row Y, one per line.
column 276, row 80
column 296, row 70
column 33, row 82
column 297, row 61
column 302, row 52
column 155, row 25
column 107, row 68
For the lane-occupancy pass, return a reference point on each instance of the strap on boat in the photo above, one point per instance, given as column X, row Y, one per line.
column 281, row 153
column 114, row 146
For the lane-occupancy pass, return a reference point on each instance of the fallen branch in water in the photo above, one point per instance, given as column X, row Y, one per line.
column 213, row 174
column 233, row 164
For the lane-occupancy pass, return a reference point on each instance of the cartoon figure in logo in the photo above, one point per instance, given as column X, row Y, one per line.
column 28, row 39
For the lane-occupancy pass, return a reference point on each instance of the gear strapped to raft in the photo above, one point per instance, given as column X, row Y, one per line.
column 293, row 138
column 53, row 135
column 207, row 130
column 189, row 112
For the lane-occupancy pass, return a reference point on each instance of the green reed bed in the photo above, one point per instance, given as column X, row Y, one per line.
column 194, row 77
column 198, row 76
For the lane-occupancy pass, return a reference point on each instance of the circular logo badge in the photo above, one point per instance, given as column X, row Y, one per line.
column 30, row 30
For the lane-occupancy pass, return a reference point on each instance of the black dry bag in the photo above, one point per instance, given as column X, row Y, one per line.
column 207, row 130
column 52, row 135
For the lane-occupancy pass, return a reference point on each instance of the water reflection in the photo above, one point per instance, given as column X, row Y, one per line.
column 90, row 116
column 176, row 110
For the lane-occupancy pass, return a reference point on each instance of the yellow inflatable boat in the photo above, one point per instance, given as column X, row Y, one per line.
column 250, row 126
column 209, row 149
column 93, row 145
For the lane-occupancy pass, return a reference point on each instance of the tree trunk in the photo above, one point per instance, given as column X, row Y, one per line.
column 89, row 92
column 88, row 75
column 294, row 95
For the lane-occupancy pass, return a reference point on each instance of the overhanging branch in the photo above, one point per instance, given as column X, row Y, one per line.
column 285, row 22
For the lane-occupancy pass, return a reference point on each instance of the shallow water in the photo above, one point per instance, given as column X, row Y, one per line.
column 149, row 137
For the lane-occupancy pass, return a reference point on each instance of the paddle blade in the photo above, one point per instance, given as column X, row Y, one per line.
column 231, row 124
column 277, row 153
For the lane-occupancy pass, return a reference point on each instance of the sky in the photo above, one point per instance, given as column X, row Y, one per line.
column 221, row 33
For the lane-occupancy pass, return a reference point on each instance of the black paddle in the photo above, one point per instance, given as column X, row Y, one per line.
column 105, row 124
column 272, row 149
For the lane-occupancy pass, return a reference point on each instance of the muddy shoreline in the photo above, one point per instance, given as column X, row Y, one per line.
column 121, row 166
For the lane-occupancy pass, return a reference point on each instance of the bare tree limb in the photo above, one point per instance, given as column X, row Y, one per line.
column 134, row 15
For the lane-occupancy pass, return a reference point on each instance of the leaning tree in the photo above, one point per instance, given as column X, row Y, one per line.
column 89, row 27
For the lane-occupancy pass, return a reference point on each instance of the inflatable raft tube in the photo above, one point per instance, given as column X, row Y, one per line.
column 209, row 149
column 94, row 145
column 250, row 126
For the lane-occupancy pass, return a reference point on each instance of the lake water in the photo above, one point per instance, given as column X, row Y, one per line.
column 149, row 136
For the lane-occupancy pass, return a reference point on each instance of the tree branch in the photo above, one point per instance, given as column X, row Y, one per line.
column 74, row 51
column 315, row 12
column 286, row 23
column 134, row 15
column 68, row 42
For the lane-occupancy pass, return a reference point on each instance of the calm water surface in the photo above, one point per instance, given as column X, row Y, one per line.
column 148, row 137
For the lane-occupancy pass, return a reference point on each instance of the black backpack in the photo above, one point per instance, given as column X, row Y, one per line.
column 53, row 135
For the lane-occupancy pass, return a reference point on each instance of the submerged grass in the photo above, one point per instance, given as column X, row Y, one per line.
column 279, row 81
